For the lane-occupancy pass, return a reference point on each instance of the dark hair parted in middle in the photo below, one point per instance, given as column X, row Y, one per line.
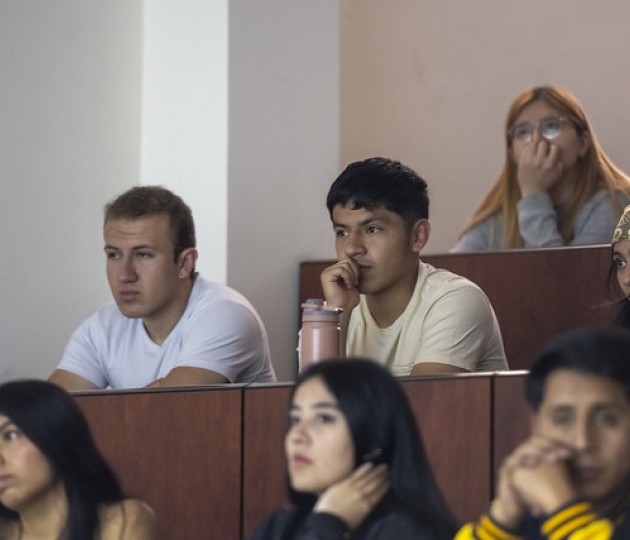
column 381, row 182
column 604, row 352
column 380, row 419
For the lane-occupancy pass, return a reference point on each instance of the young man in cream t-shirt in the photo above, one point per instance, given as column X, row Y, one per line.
column 399, row 311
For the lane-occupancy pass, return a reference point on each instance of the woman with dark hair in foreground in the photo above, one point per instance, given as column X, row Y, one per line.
column 54, row 484
column 357, row 467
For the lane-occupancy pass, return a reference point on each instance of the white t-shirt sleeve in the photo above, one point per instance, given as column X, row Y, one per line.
column 225, row 338
column 81, row 355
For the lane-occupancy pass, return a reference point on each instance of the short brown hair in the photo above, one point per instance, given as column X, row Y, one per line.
column 143, row 201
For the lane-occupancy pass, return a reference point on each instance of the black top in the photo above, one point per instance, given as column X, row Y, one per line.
column 381, row 524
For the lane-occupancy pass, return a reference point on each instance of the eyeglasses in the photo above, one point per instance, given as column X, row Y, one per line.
column 549, row 128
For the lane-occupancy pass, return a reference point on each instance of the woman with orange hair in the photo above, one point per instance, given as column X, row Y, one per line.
column 557, row 186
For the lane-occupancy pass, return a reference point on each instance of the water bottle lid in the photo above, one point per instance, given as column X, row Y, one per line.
column 315, row 306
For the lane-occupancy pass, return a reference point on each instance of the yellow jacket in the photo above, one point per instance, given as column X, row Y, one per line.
column 574, row 522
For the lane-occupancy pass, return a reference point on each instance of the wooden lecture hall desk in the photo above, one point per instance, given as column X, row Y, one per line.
column 536, row 294
column 210, row 460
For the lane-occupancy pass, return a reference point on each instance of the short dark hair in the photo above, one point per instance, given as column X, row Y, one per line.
column 380, row 419
column 604, row 352
column 144, row 201
column 53, row 422
column 381, row 182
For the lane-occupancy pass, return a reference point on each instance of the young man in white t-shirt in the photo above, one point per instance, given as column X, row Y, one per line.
column 167, row 326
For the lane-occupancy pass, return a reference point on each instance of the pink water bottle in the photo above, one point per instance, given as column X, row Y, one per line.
column 321, row 332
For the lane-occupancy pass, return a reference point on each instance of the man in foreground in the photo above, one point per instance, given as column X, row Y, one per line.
column 571, row 478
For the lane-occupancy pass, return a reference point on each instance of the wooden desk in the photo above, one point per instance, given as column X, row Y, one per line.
column 210, row 460
column 454, row 417
column 536, row 294
column 510, row 417
column 264, row 465
column 178, row 450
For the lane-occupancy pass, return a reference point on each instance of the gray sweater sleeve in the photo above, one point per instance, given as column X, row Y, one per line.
column 476, row 239
column 538, row 223
column 486, row 236
column 594, row 224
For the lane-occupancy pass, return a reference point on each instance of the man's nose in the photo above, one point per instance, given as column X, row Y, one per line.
column 582, row 437
column 354, row 245
column 127, row 270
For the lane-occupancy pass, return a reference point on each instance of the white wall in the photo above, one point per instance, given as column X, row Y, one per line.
column 184, row 115
column 69, row 141
column 100, row 96
column 283, row 145
column 283, row 154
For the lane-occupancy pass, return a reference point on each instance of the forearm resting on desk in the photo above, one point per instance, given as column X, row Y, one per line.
column 70, row 381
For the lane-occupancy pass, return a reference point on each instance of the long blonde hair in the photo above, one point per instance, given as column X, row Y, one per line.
column 595, row 170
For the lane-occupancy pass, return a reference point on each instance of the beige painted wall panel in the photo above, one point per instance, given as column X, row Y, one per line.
column 429, row 82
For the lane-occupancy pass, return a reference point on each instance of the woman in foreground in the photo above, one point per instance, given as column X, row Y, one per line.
column 54, row 484
column 357, row 467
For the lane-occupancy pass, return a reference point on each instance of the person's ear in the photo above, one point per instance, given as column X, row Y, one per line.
column 511, row 154
column 420, row 233
column 585, row 143
column 186, row 262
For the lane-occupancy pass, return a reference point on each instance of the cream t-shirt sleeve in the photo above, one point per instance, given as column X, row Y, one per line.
column 457, row 329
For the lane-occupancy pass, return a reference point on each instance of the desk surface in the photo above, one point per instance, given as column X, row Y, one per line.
column 536, row 294
column 210, row 460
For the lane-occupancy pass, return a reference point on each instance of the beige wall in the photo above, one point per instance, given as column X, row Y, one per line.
column 282, row 154
column 429, row 82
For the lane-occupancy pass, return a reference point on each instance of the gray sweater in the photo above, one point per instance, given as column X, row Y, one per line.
column 538, row 223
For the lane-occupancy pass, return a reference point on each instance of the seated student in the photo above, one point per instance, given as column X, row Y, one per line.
column 571, row 478
column 619, row 275
column 167, row 326
column 357, row 467
column 53, row 481
column 405, row 314
column 557, row 187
